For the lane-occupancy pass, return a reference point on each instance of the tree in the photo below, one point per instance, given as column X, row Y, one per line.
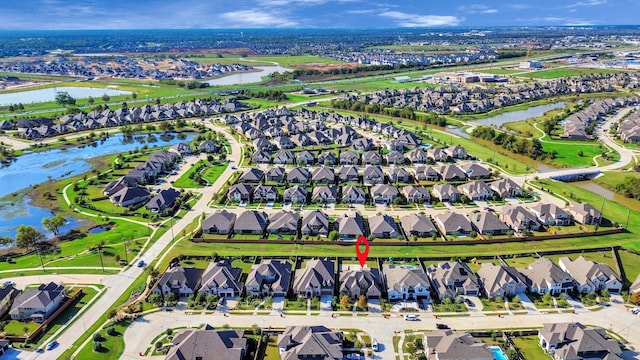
column 155, row 299
column 63, row 98
column 106, row 97
column 345, row 301
column 5, row 240
column 28, row 236
column 362, row 302
column 54, row 224
column 635, row 298
column 91, row 100
column 97, row 346
column 134, row 95
column 334, row 235
column 512, row 354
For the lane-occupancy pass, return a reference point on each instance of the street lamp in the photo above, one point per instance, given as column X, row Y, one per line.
column 126, row 255
column 100, row 253
column 40, row 255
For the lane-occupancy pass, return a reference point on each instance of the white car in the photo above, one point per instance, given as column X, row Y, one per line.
column 411, row 317
column 374, row 344
column 635, row 311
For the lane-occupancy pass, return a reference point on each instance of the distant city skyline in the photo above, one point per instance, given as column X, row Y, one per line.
column 165, row 14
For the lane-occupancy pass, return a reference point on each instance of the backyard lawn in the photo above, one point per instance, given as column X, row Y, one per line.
column 530, row 348
column 630, row 264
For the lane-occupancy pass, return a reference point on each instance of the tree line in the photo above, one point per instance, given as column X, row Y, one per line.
column 517, row 145
column 27, row 236
column 405, row 112
column 269, row 94
column 630, row 187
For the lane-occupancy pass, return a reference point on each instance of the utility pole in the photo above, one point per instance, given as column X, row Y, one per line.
column 126, row 255
column 172, row 236
column 628, row 215
column 100, row 253
column 601, row 210
column 40, row 255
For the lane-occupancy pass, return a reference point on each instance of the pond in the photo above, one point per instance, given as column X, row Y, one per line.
column 21, row 212
column 458, row 131
column 49, row 94
column 248, row 77
column 35, row 168
column 520, row 115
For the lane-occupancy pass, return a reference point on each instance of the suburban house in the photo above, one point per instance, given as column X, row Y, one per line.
column 310, row 342
column 487, row 223
column 305, row 157
column 501, row 280
column 129, row 196
column 585, row 213
column 438, row 154
column 452, row 278
column 221, row 279
column 324, row 194
column 353, row 195
column 519, row 219
column 452, row 173
column 315, row 223
column 240, row 192
column 546, row 277
column 476, row 190
column 220, row 222
column 283, row 222
column 394, row 157
column 181, row 149
column 251, row 176
column 373, row 175
column 284, row 142
column 476, row 171
column 371, row 158
column 383, row 226
column 450, row 345
column 591, row 276
column 7, row 294
column 398, row 174
column 362, row 144
column 251, row 222
column 39, row 303
column 416, row 194
column 394, row 145
column 269, row 278
column 323, row 175
column 457, row 152
column 199, row 344
column 316, row 279
column 275, row 174
column 349, row 158
column 296, row 194
column 327, row 158
column 350, row 226
column 550, row 214
column 406, row 282
column 298, row 176
column 348, row 174
column 163, row 200
column 451, row 223
column 576, row 341
column 178, row 280
column 356, row 281
column 506, row 188
column 416, row 156
column 446, row 193
column 283, row 157
column 120, row 183
column 417, row 225
column 262, row 144
column 261, row 157
column 383, row 193
column 265, row 193
column 426, row 173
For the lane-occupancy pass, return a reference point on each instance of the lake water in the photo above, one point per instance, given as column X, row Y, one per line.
column 520, row 115
column 249, row 77
column 35, row 168
column 49, row 94
column 21, row 213
column 458, row 131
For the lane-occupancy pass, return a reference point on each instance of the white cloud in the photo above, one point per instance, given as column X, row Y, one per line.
column 477, row 9
column 411, row 20
column 365, row 11
column 300, row 2
column 255, row 18
column 585, row 3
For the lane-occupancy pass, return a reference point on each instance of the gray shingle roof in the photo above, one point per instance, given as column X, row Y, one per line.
column 251, row 220
column 221, row 220
column 190, row 344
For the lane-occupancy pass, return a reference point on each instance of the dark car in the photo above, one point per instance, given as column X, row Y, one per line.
column 469, row 303
column 441, row 326
column 141, row 263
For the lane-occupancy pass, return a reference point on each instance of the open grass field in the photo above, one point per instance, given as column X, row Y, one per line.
column 566, row 71
column 630, row 264
column 113, row 346
column 567, row 152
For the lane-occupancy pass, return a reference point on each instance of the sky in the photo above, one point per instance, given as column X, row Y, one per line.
column 168, row 14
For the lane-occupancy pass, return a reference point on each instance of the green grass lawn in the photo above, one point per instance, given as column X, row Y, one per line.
column 17, row 328
column 113, row 346
column 529, row 347
column 630, row 264
column 603, row 257
column 563, row 72
column 211, row 173
column 567, row 152
column 488, row 305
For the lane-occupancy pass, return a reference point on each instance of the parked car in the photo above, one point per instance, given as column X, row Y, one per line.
column 469, row 303
column 52, row 345
column 141, row 263
column 441, row 326
column 374, row 344
column 635, row 311
column 9, row 283
column 353, row 356
column 411, row 317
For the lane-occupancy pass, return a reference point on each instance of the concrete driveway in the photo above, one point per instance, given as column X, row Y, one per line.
column 325, row 303
column 575, row 304
column 477, row 304
column 527, row 304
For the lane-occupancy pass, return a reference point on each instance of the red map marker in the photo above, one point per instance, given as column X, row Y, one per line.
column 362, row 256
